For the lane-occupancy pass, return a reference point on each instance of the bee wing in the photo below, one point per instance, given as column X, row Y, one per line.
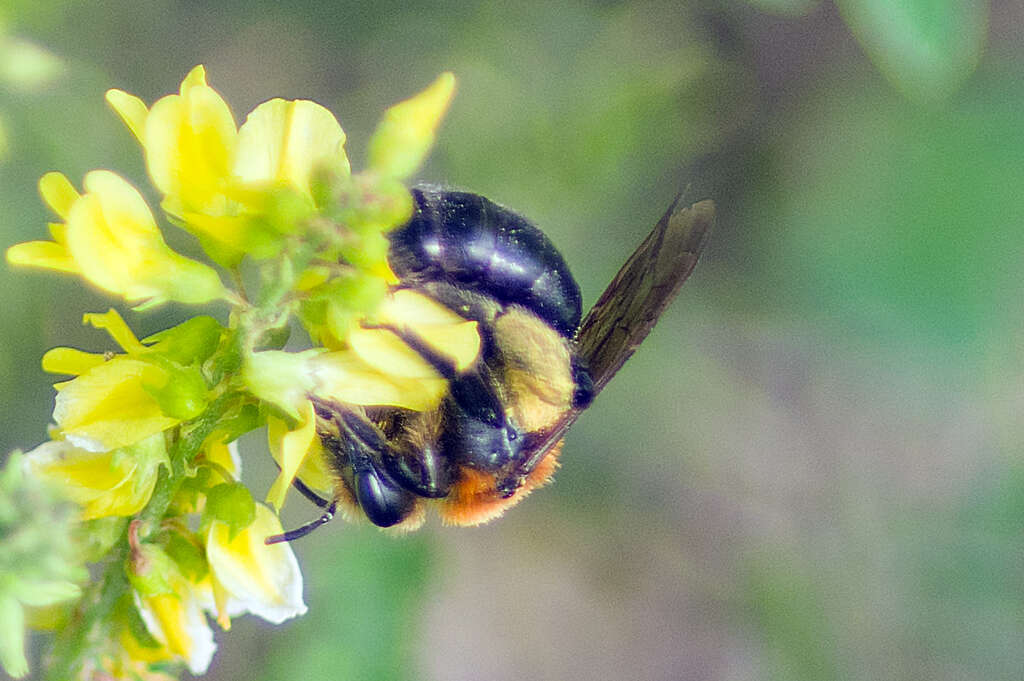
column 646, row 285
column 632, row 303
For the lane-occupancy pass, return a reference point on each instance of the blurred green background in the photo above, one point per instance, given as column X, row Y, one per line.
column 813, row 468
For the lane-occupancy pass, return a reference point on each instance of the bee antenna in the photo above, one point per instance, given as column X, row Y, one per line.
column 299, row 532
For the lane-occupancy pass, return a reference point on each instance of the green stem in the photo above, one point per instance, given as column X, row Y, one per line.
column 74, row 642
column 183, row 451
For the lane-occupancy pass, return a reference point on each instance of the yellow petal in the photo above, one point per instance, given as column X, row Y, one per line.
column 115, row 325
column 224, row 454
column 45, row 254
column 256, row 578
column 382, row 350
column 314, row 471
column 442, row 330
column 177, row 621
column 195, row 78
column 114, row 240
column 58, row 193
column 109, row 407
column 109, row 230
column 284, row 379
column 406, row 133
column 284, row 142
column 132, row 111
column 344, row 377
column 70, row 361
column 458, row 342
column 289, row 448
column 112, row 483
column 407, row 306
column 190, row 140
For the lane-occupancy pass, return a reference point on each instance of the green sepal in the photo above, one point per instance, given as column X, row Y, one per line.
column 370, row 202
column 243, row 420
column 232, row 504
column 191, row 342
column 339, row 303
column 149, row 570
column 94, row 538
column 367, row 251
column 184, row 394
column 286, row 210
column 190, row 558
column 193, row 488
column 273, row 338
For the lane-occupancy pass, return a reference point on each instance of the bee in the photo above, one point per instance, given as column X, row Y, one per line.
column 496, row 435
column 475, row 455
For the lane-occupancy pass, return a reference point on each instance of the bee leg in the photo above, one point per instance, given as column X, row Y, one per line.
column 414, row 462
column 305, row 491
column 299, row 532
column 421, row 469
column 583, row 394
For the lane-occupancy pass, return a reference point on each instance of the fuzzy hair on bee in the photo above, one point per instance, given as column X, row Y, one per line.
column 497, row 433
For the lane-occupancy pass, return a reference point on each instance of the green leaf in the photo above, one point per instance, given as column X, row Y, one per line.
column 926, row 48
column 39, row 594
column 232, row 504
column 245, row 420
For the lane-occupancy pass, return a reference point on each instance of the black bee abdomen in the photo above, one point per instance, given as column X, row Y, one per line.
column 470, row 241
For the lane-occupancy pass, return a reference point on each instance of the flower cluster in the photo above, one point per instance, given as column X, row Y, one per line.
column 143, row 438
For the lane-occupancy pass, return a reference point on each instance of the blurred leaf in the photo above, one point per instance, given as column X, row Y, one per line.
column 787, row 7
column 788, row 605
column 900, row 224
column 26, row 66
column 965, row 576
column 926, row 48
column 366, row 594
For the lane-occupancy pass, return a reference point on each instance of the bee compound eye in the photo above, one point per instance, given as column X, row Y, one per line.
column 385, row 504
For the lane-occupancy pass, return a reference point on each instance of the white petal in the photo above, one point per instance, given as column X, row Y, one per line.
column 264, row 580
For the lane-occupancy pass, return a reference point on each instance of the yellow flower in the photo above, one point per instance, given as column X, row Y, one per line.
column 112, row 483
column 189, row 139
column 119, row 401
column 290, row 448
column 177, row 620
column 283, row 142
column 110, row 405
column 111, row 239
column 126, row 658
column 249, row 576
column 238, row 190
